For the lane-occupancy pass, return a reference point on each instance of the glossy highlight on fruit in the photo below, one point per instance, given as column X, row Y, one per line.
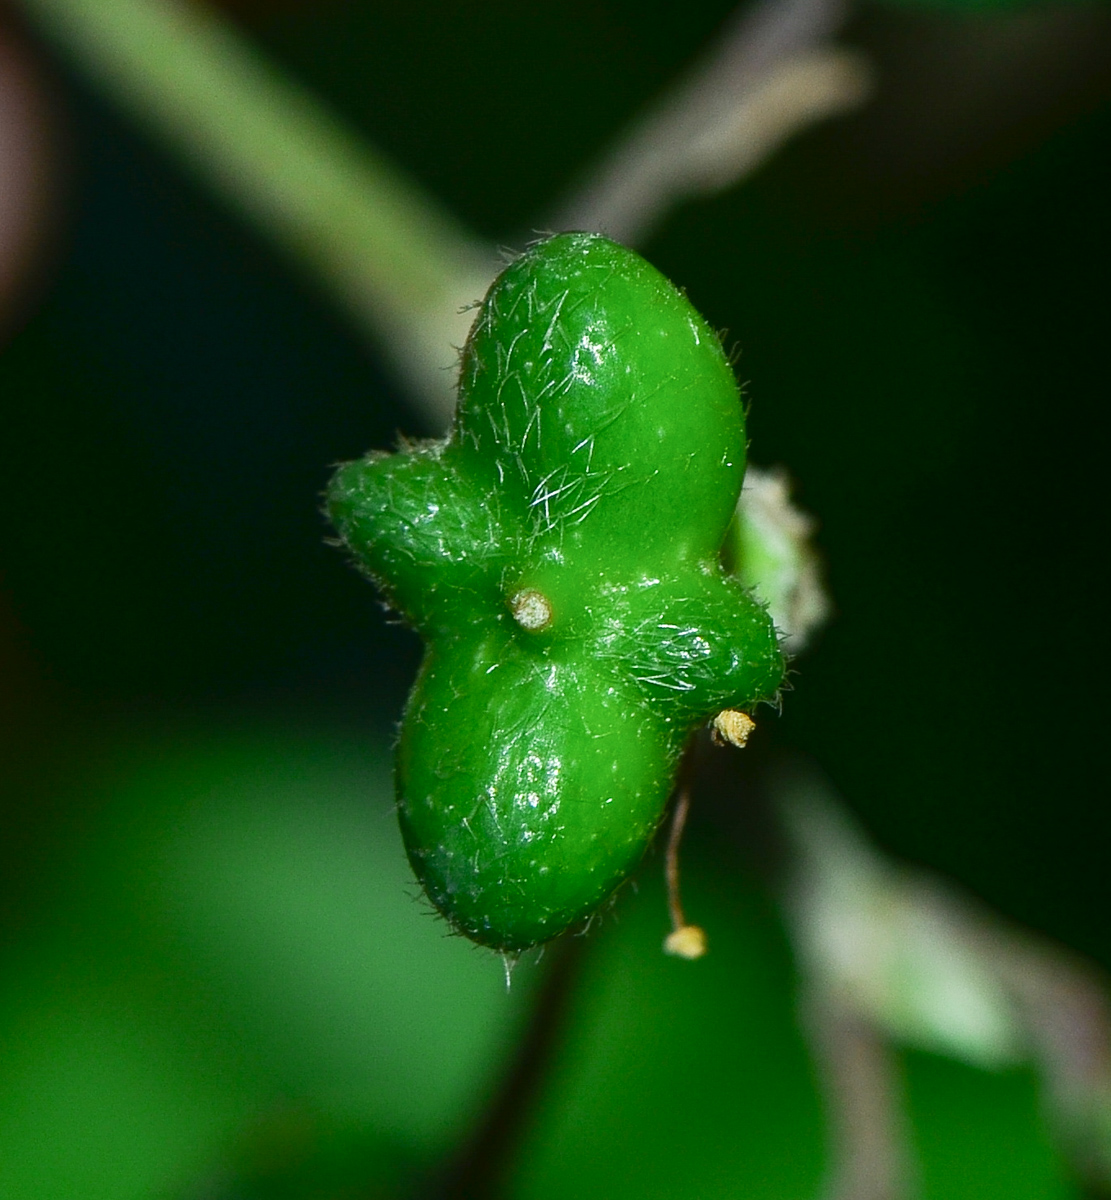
column 559, row 554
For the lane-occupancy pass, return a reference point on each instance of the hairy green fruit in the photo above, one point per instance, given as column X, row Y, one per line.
column 559, row 553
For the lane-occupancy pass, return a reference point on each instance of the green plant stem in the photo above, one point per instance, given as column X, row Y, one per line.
column 403, row 266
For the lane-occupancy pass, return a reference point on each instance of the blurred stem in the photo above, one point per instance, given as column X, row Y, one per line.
column 770, row 74
column 481, row 1167
column 892, row 956
column 870, row 1147
column 404, row 268
column 399, row 261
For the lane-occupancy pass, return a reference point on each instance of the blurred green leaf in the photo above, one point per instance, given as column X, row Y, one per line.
column 981, row 1135
column 693, row 1080
column 681, row 1079
column 240, row 934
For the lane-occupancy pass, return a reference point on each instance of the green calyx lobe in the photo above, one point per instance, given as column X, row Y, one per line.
column 558, row 552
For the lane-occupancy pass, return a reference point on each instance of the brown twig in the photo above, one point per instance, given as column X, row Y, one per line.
column 479, row 1170
column 27, row 153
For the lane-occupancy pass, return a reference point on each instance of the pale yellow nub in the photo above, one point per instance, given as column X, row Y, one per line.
column 532, row 610
column 688, row 941
column 733, row 726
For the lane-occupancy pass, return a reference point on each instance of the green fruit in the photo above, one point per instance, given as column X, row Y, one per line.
column 559, row 555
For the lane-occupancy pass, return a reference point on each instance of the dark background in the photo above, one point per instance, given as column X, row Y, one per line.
column 919, row 295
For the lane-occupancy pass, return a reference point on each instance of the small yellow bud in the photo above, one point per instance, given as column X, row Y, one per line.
column 733, row 727
column 688, row 941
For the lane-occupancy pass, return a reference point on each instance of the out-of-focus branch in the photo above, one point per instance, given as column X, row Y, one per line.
column 24, row 171
column 769, row 76
column 896, row 952
column 402, row 265
column 480, row 1168
column 1063, row 1006
column 869, row 1146
column 892, row 944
